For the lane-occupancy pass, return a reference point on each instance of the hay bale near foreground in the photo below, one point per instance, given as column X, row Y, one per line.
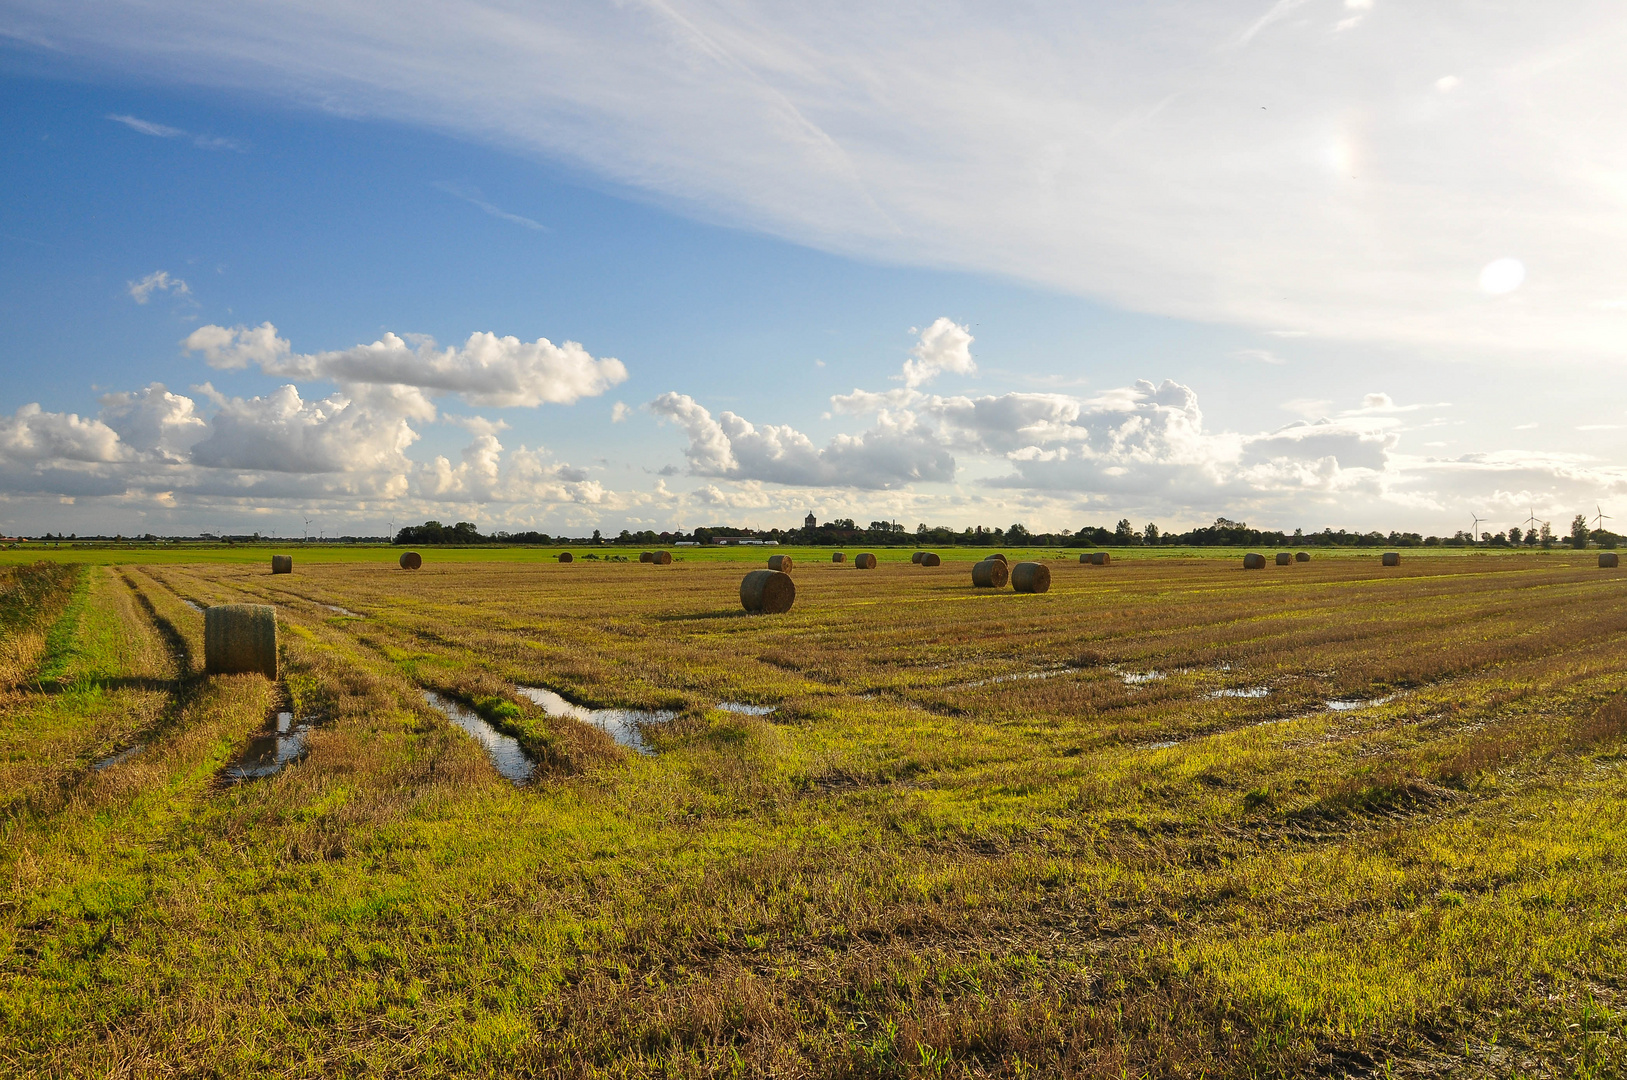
column 837, row 556
column 646, row 556
column 1607, row 559
column 1391, row 558
column 411, row 560
column 990, row 574
column 282, row 564
column 240, row 638
column 1302, row 556
column 1253, row 561
column 916, row 558
column 770, row 592
column 865, row 561
column 930, row 558
column 1283, row 558
column 565, row 556
column 782, row 563
column 1031, row 577
column 661, row 558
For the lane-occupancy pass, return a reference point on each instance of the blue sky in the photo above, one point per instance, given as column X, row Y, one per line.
column 1122, row 287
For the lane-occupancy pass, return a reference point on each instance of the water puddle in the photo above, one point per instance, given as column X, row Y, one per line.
column 1165, row 745
column 270, row 752
column 346, row 612
column 119, row 758
column 748, row 710
column 1011, row 678
column 193, row 604
column 1136, row 678
column 507, row 758
column 620, row 724
column 1249, row 692
column 1354, row 703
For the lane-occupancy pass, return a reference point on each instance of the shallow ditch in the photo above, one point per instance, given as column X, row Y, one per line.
column 623, row 725
column 268, row 753
column 511, row 762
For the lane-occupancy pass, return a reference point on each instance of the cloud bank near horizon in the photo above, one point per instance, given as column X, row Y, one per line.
column 1054, row 460
column 1274, row 168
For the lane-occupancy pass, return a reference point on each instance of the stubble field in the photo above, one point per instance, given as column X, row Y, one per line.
column 1170, row 818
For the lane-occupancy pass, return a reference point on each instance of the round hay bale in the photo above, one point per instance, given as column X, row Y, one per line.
column 1030, row 577
column 782, row 563
column 1084, row 558
column 866, row 561
column 837, row 556
column 1283, row 558
column 240, row 638
column 1253, row 561
column 1607, row 560
column 771, row 592
column 916, row 558
column 995, row 557
column 661, row 558
column 1302, row 556
column 411, row 560
column 1101, row 558
column 565, row 556
column 282, row 564
column 931, row 558
column 646, row 556
column 990, row 574
column 1391, row 558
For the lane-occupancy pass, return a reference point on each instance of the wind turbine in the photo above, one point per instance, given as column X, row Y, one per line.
column 307, row 529
column 1475, row 536
column 1601, row 517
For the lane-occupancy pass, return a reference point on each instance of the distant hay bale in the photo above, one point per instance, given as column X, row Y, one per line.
column 1253, row 561
column 771, row 592
column 865, row 561
column 1030, row 577
column 1283, row 558
column 240, row 638
column 565, row 556
column 1085, row 558
column 1392, row 558
column 916, row 558
column 930, row 558
column 282, row 564
column 411, row 560
column 1101, row 558
column 646, row 556
column 782, row 563
column 661, row 558
column 1302, row 556
column 1607, row 559
column 995, row 556
column 990, row 574
column 837, row 556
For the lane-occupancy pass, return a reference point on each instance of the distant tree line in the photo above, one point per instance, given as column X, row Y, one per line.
column 846, row 532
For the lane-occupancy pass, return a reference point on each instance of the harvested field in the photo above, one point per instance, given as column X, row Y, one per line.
column 1178, row 819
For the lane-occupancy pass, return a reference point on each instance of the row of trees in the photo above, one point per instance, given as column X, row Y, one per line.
column 844, row 531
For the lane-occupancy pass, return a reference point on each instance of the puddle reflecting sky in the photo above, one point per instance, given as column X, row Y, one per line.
column 346, row 612
column 119, row 758
column 271, row 751
column 193, row 604
column 1249, row 692
column 507, row 758
column 620, row 724
column 748, row 710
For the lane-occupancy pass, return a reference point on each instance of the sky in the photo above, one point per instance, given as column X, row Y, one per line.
column 333, row 268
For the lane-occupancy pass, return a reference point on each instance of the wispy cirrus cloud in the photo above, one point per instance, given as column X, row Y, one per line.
column 164, row 131
column 473, row 197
